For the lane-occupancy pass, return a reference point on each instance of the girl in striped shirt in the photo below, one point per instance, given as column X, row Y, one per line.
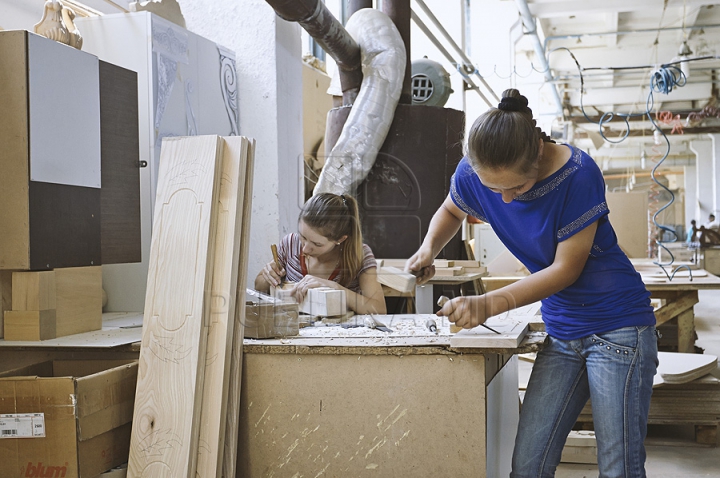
column 327, row 251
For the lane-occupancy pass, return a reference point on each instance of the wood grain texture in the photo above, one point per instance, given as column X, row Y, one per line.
column 172, row 356
column 396, row 278
column 14, row 214
column 511, row 334
column 78, row 295
column 30, row 325
column 230, row 454
column 33, row 290
column 120, row 157
column 222, row 318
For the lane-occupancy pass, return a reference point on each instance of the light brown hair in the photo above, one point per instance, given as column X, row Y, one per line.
column 335, row 216
column 506, row 136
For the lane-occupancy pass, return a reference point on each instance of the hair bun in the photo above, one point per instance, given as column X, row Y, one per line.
column 510, row 103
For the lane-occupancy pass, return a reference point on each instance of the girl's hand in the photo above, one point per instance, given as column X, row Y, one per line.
column 311, row 282
column 273, row 274
column 421, row 265
column 466, row 312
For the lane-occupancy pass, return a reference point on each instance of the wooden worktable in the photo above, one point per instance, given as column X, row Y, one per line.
column 677, row 296
column 360, row 402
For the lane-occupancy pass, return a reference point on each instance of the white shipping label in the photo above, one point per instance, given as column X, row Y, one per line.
column 22, row 425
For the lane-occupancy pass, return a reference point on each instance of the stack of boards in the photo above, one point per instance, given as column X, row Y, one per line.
column 187, row 401
column 391, row 272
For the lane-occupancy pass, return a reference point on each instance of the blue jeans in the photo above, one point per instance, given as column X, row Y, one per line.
column 615, row 370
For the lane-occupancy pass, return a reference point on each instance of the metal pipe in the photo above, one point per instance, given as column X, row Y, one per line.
column 467, row 62
column 355, row 5
column 529, row 22
column 317, row 20
column 421, row 25
column 367, row 126
column 399, row 13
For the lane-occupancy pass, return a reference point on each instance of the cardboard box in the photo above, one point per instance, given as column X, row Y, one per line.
column 85, row 408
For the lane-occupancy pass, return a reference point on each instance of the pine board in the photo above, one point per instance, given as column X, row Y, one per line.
column 396, row 278
column 233, row 401
column 511, row 334
column 172, row 356
column 222, row 318
column 33, row 290
column 78, row 295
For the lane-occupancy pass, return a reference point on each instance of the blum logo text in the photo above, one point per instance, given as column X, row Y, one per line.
column 42, row 471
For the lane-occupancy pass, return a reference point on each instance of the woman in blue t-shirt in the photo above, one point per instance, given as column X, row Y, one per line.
column 546, row 202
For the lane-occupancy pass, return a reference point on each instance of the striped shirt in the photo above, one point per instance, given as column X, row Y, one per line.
column 290, row 251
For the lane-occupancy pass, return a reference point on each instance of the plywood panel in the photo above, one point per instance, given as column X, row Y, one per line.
column 222, row 318
column 234, row 382
column 78, row 296
column 629, row 217
column 169, row 391
column 14, row 214
column 120, row 158
column 358, row 415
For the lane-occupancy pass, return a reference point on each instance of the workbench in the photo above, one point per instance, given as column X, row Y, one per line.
column 677, row 298
column 361, row 402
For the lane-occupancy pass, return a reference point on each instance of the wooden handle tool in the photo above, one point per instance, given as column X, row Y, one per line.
column 273, row 247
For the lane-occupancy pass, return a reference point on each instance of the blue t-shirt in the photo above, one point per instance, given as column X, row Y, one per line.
column 609, row 294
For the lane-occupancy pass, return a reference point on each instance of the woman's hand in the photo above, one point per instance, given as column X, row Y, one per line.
column 466, row 312
column 421, row 265
column 311, row 282
column 272, row 273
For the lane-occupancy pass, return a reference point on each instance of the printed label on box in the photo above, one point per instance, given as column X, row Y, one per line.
column 22, row 425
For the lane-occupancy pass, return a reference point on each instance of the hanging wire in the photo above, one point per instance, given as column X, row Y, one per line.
column 662, row 80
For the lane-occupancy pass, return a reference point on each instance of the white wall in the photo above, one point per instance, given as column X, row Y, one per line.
column 270, row 102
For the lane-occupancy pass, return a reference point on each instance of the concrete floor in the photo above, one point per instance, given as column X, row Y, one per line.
column 671, row 450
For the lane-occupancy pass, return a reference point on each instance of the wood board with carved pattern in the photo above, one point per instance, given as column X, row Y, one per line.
column 172, row 357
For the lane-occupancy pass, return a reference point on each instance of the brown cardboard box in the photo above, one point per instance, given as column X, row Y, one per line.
column 87, row 408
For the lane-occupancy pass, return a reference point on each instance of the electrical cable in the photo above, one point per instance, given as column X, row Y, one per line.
column 663, row 80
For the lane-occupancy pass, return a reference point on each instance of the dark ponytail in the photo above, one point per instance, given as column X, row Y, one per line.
column 506, row 136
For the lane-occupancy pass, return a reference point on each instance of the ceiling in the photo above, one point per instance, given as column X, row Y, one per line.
column 619, row 45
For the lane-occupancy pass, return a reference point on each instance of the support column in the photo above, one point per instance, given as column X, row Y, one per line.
column 268, row 60
column 690, row 185
column 715, row 138
column 704, row 202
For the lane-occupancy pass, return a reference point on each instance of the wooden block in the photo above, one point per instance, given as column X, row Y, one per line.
column 511, row 334
column 449, row 271
column 442, row 263
column 222, row 319
column 324, row 302
column 78, row 295
column 466, row 264
column 265, row 321
column 33, row 290
column 31, row 325
column 396, row 278
column 399, row 263
column 164, row 440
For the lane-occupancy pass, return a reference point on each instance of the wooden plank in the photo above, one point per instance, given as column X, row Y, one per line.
column 230, row 454
column 324, row 302
column 14, row 164
column 672, row 309
column 396, row 278
column 511, row 334
column 33, row 290
column 164, row 438
column 78, row 295
column 30, row 325
column 676, row 368
column 120, row 240
column 686, row 331
column 222, row 319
